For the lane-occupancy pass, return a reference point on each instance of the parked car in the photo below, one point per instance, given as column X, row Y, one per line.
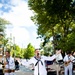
column 52, row 68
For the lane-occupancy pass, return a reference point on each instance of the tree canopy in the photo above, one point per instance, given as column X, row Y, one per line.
column 54, row 18
column 29, row 52
column 3, row 24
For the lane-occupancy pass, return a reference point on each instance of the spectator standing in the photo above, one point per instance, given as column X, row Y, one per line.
column 16, row 65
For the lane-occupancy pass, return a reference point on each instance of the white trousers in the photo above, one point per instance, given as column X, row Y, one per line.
column 10, row 73
column 68, row 68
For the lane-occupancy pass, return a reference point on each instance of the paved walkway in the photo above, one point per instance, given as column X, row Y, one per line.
column 25, row 71
column 19, row 72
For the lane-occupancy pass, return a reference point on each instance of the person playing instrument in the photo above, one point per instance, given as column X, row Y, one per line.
column 68, row 66
column 9, row 64
column 39, row 62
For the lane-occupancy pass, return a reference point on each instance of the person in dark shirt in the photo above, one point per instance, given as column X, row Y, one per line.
column 16, row 65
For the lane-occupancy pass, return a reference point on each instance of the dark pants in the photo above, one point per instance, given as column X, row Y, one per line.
column 51, row 73
column 1, row 72
column 16, row 67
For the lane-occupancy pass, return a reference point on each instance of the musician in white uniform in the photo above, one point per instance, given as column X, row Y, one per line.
column 39, row 63
column 68, row 66
column 9, row 64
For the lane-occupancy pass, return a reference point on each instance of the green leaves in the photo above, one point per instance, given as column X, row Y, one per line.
column 3, row 22
column 54, row 17
column 29, row 52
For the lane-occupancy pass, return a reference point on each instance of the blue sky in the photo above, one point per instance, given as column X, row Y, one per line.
column 22, row 28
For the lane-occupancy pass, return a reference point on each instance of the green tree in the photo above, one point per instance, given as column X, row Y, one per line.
column 52, row 18
column 17, row 51
column 29, row 52
column 3, row 40
column 3, row 24
column 22, row 52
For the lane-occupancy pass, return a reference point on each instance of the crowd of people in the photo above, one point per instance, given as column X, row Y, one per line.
column 10, row 64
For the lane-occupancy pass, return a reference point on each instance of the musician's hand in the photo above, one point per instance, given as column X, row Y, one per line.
column 5, row 63
column 69, row 61
column 65, row 62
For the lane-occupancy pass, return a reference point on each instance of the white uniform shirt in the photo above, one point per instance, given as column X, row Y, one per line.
column 11, row 64
column 59, row 57
column 66, row 58
column 42, row 68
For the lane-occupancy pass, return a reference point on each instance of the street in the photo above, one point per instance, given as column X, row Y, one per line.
column 25, row 71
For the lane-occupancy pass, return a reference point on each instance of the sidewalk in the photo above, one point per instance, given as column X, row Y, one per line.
column 19, row 72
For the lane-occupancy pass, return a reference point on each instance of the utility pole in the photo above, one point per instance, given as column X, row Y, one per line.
column 14, row 46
